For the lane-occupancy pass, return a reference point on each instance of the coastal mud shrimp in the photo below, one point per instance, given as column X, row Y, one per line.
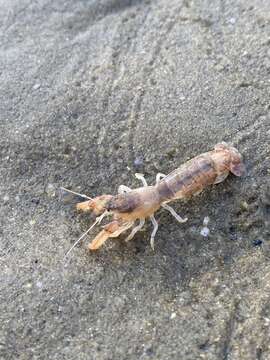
column 131, row 205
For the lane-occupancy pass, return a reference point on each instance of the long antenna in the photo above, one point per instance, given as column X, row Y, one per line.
column 75, row 193
column 97, row 221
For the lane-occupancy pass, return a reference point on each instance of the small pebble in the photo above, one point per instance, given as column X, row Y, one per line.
column 36, row 86
column 244, row 205
column 173, row 315
column 50, row 190
column 206, row 220
column 138, row 161
column 6, row 198
column 149, row 351
column 39, row 284
column 205, row 231
column 257, row 242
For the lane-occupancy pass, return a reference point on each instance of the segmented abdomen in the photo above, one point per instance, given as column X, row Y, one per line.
column 188, row 179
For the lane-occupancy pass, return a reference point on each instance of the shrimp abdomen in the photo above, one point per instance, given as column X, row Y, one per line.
column 188, row 179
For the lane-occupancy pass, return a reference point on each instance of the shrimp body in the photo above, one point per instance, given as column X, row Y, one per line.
column 139, row 203
column 189, row 179
column 196, row 174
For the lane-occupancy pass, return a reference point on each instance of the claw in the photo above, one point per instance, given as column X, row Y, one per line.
column 110, row 230
column 99, row 240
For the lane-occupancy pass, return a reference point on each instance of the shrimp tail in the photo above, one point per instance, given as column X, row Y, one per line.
column 236, row 166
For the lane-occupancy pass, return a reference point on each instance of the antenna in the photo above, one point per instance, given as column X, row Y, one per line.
column 97, row 221
column 75, row 193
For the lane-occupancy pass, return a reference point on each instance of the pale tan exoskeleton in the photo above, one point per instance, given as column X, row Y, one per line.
column 138, row 204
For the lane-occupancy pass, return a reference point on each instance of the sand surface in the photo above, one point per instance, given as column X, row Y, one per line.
column 92, row 92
